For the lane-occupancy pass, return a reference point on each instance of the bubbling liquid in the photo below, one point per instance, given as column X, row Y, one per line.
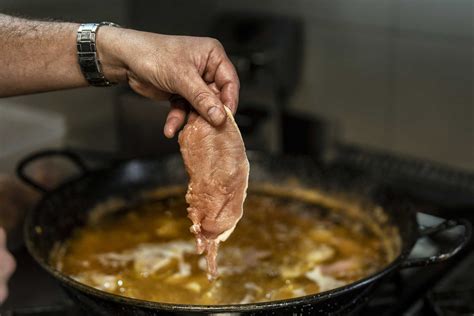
column 282, row 248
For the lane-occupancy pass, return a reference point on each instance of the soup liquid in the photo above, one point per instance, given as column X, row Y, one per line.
column 281, row 249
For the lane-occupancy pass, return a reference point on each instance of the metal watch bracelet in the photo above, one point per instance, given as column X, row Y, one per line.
column 87, row 54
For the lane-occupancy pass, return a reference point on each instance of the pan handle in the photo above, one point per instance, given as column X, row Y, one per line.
column 22, row 165
column 460, row 244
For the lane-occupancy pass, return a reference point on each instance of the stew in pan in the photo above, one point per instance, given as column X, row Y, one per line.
column 287, row 245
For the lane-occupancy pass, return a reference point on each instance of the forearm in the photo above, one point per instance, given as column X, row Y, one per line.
column 37, row 56
column 40, row 56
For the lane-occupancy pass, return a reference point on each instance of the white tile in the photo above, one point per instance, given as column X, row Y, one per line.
column 434, row 109
column 346, row 80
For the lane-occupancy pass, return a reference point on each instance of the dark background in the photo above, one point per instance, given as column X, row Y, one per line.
column 392, row 75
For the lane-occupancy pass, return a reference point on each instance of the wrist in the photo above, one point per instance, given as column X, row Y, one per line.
column 109, row 53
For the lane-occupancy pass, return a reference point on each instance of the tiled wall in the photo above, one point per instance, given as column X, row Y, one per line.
column 396, row 75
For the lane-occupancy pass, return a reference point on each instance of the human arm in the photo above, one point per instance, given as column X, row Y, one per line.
column 37, row 56
column 41, row 56
column 7, row 265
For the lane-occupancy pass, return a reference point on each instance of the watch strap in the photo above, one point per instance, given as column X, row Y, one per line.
column 89, row 61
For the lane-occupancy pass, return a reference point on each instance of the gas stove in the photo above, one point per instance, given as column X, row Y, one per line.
column 446, row 288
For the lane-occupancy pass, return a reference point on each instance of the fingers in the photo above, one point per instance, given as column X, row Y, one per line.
column 148, row 90
column 214, row 89
column 7, row 266
column 176, row 116
column 230, row 96
column 202, row 98
column 3, row 238
column 179, row 110
column 7, row 263
column 219, row 70
column 3, row 293
column 227, row 82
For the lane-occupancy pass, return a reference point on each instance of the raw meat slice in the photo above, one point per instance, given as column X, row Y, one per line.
column 218, row 170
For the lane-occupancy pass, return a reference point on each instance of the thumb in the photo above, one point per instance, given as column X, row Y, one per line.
column 202, row 98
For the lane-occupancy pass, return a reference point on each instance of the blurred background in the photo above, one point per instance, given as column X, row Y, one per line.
column 385, row 86
column 392, row 76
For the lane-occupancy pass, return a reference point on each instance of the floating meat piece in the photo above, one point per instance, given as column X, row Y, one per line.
column 149, row 258
column 325, row 282
column 218, row 170
column 349, row 267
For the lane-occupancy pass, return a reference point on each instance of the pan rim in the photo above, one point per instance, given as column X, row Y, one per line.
column 307, row 299
column 251, row 307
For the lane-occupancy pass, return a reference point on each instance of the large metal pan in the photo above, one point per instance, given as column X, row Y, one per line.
column 65, row 208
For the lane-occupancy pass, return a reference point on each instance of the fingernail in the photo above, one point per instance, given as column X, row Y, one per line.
column 168, row 132
column 216, row 115
column 169, row 128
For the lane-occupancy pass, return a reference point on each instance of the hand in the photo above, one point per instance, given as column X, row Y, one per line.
column 159, row 66
column 7, row 266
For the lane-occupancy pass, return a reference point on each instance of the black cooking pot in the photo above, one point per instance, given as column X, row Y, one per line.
column 65, row 208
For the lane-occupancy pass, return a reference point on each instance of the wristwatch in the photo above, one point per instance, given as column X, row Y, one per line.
column 87, row 54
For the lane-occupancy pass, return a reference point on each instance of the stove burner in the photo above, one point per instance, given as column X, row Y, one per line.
column 454, row 294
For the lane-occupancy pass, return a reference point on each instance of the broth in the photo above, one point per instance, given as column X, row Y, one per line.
column 282, row 248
